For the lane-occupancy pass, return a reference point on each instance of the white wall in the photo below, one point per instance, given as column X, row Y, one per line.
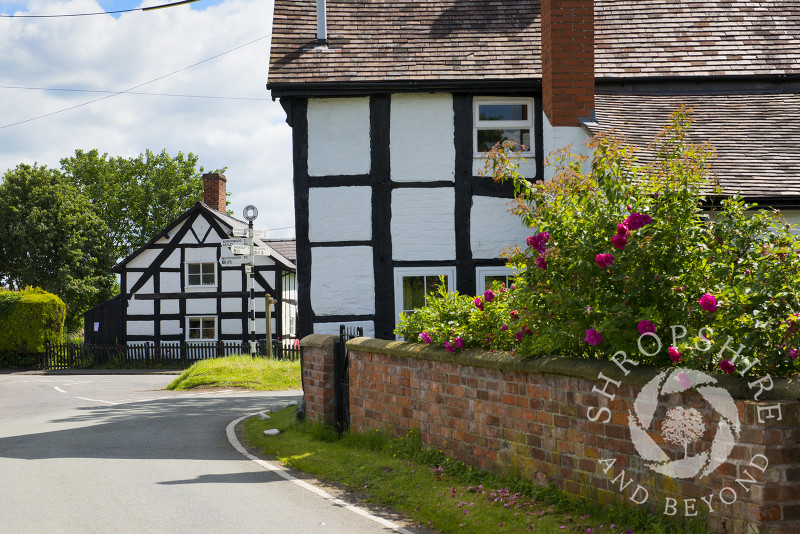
column 201, row 306
column 140, row 328
column 232, row 280
column 340, row 214
column 342, row 280
column 493, row 228
column 233, row 326
column 170, row 282
column 140, row 307
column 557, row 137
column 421, row 138
column 423, row 225
column 144, row 258
column 171, row 328
column 170, row 306
column 338, row 136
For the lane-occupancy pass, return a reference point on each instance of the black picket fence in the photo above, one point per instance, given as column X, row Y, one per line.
column 172, row 355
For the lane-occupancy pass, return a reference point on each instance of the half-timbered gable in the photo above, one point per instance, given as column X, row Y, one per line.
column 179, row 287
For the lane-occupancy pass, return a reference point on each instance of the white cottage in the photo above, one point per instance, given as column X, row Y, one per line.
column 178, row 287
column 392, row 103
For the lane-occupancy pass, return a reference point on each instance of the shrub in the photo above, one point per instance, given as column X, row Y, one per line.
column 627, row 259
column 28, row 319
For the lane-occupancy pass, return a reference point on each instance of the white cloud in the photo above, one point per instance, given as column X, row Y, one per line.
column 248, row 137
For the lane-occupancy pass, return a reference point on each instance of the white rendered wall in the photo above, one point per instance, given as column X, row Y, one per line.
column 421, row 138
column 201, row 226
column 231, row 305
column 342, row 281
column 173, row 261
column 132, row 278
column 493, row 228
column 201, row 306
column 140, row 328
column 333, row 328
column 338, row 136
column 231, row 326
column 170, row 306
column 201, row 255
column 340, row 214
column 557, row 137
column 140, row 307
column 423, row 226
column 526, row 168
column 792, row 217
column 232, row 280
column 145, row 258
column 170, row 282
column 170, row 328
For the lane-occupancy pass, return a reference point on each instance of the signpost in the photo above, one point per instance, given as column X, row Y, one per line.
column 245, row 251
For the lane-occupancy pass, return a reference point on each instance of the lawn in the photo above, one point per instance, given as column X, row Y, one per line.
column 433, row 490
column 240, row 372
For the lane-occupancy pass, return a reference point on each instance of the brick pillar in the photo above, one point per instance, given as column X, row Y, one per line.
column 318, row 384
column 567, row 60
column 214, row 191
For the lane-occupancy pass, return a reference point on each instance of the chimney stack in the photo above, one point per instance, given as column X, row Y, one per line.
column 214, row 191
column 322, row 24
column 568, row 61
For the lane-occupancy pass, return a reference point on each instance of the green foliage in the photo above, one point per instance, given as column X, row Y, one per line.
column 8, row 300
column 36, row 318
column 572, row 298
column 242, row 371
column 51, row 237
column 136, row 197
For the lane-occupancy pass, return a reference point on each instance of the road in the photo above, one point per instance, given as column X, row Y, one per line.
column 110, row 453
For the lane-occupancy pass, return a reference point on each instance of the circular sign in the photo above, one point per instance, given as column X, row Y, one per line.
column 250, row 212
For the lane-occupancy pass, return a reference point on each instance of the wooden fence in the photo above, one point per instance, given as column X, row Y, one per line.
column 177, row 354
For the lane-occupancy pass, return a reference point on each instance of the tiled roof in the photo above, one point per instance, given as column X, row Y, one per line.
column 404, row 40
column 756, row 145
column 373, row 40
column 286, row 247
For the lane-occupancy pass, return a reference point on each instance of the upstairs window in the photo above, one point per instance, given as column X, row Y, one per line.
column 412, row 285
column 201, row 274
column 499, row 120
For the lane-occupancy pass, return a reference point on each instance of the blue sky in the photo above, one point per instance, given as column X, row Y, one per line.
column 240, row 128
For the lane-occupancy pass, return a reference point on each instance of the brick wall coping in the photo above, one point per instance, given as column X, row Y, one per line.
column 783, row 388
column 319, row 341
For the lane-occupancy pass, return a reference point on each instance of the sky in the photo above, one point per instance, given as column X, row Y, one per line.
column 241, row 128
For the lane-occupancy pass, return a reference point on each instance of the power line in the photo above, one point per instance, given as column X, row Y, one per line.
column 134, row 87
column 173, row 4
column 130, row 93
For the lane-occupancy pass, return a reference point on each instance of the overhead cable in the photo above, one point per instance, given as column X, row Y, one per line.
column 162, row 6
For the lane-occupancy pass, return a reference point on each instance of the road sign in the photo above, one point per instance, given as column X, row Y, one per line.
column 234, row 260
column 240, row 232
column 240, row 249
column 261, row 251
column 261, row 234
column 235, row 241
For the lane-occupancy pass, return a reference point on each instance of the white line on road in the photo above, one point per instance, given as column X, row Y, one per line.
column 59, row 389
column 283, row 473
column 98, row 400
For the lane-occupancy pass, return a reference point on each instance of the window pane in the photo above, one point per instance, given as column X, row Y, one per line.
column 193, row 268
column 208, row 279
column 208, row 331
column 488, row 138
column 490, row 280
column 413, row 292
column 503, row 112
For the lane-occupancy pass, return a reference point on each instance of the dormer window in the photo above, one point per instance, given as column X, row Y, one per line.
column 502, row 119
column 201, row 274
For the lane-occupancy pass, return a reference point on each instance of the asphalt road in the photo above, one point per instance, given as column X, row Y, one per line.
column 109, row 453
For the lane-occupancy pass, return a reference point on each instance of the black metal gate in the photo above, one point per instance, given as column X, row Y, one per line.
column 341, row 381
column 105, row 323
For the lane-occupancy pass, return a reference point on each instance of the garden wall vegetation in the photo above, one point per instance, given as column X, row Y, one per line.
column 580, row 424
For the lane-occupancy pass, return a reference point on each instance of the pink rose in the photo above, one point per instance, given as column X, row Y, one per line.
column 458, row 342
column 488, row 295
column 541, row 263
column 708, row 302
column 593, row 337
column 637, row 220
column 646, row 327
column 448, row 347
column 426, row 337
column 727, row 366
column 674, row 355
column 619, row 241
column 604, row 260
column 478, row 303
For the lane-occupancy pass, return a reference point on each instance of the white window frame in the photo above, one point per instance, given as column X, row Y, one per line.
column 482, row 272
column 201, row 286
column 401, row 272
column 478, row 124
column 201, row 317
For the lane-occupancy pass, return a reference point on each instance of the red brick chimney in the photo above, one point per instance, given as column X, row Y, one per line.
column 567, row 61
column 214, row 193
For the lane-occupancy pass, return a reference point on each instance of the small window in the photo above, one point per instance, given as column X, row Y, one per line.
column 500, row 120
column 485, row 277
column 201, row 274
column 201, row 328
column 412, row 285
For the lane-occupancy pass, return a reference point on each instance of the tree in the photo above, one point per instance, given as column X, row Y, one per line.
column 52, row 237
column 683, row 427
column 136, row 197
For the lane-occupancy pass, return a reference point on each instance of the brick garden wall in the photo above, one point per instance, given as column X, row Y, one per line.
column 535, row 418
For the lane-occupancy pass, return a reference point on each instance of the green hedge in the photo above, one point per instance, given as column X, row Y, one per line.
column 28, row 319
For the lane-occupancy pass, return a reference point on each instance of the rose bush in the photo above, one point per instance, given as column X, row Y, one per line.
column 620, row 256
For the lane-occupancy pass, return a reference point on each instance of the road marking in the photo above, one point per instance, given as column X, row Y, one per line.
column 98, row 400
column 59, row 389
column 283, row 473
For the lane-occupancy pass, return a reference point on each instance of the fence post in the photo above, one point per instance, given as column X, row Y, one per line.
column 46, row 355
column 220, row 349
column 184, row 348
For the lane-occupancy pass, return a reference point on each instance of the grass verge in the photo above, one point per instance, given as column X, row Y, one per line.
column 435, row 491
column 240, row 372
